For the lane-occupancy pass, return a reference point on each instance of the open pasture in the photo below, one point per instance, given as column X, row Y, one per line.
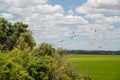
column 98, row 67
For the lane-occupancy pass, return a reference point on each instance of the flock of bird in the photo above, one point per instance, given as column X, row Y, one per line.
column 74, row 35
column 95, row 40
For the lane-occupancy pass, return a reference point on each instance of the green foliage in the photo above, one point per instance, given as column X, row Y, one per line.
column 63, row 69
column 14, row 35
column 25, row 41
column 41, row 68
column 25, row 65
column 44, row 49
column 61, row 51
column 21, row 65
column 10, row 70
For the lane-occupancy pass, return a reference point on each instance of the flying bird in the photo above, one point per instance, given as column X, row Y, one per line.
column 60, row 41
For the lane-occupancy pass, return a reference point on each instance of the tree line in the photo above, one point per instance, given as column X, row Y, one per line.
column 92, row 52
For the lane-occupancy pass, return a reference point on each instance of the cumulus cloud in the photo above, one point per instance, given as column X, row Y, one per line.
column 94, row 29
column 100, row 18
column 99, row 33
column 100, row 7
column 71, row 20
column 48, row 9
column 115, row 33
column 21, row 3
column 109, row 20
column 95, row 16
column 38, row 9
column 52, row 22
column 43, row 19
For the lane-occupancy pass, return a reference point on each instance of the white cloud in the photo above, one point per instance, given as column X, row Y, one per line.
column 70, row 20
column 54, row 24
column 38, row 9
column 22, row 3
column 100, row 18
column 7, row 16
column 109, row 20
column 95, row 16
column 99, row 33
column 95, row 31
column 44, row 19
column 47, row 9
column 100, row 7
column 115, row 33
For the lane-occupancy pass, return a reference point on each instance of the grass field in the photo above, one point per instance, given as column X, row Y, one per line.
column 98, row 67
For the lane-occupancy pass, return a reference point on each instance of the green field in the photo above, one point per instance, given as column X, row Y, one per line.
column 98, row 67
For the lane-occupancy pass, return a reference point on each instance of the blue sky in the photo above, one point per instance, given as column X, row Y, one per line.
column 71, row 24
column 67, row 3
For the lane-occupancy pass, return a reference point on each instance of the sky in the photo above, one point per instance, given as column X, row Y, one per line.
column 69, row 24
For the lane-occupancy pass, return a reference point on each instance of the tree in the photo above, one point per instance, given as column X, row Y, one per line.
column 44, row 49
column 14, row 35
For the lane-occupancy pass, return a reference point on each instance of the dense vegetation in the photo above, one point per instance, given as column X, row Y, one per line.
column 98, row 67
column 14, row 36
column 21, row 60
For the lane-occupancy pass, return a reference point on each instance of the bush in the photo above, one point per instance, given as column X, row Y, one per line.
column 12, row 71
column 41, row 68
column 25, row 65
column 44, row 49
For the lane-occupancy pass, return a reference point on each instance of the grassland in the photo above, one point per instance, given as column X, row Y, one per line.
column 98, row 67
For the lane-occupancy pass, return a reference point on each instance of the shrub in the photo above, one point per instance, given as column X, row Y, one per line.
column 44, row 49
column 12, row 71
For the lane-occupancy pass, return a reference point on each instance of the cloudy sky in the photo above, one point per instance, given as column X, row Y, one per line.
column 71, row 24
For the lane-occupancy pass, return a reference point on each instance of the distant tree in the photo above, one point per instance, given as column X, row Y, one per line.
column 14, row 35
